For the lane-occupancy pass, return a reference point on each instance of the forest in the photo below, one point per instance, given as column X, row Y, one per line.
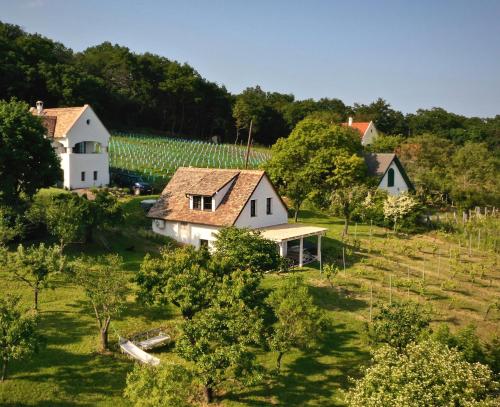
column 169, row 97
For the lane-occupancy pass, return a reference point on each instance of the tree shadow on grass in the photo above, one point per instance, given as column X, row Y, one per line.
column 71, row 374
column 332, row 299
column 74, row 374
column 313, row 378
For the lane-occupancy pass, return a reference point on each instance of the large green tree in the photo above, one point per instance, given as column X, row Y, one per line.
column 19, row 336
column 399, row 324
column 183, row 277
column 246, row 249
column 474, row 176
column 66, row 216
column 105, row 286
column 219, row 342
column 169, row 384
column 300, row 324
column 27, row 160
column 310, row 162
column 425, row 374
column 34, row 266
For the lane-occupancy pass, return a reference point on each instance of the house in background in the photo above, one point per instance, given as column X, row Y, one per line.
column 367, row 130
column 81, row 143
column 197, row 202
column 391, row 174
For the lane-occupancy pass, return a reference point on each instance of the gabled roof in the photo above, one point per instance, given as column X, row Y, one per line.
column 379, row 163
column 361, row 127
column 211, row 182
column 173, row 203
column 58, row 121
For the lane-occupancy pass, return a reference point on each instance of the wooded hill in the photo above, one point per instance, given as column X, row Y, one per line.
column 147, row 91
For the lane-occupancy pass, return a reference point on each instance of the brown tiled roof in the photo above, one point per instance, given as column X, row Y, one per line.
column 173, row 204
column 62, row 119
column 378, row 163
column 211, row 182
column 49, row 122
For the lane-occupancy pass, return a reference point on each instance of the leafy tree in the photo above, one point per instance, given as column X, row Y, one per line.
column 426, row 158
column 246, row 249
column 166, row 385
column 27, row 160
column 184, row 277
column 299, row 322
column 305, row 164
column 350, row 192
column 34, row 266
column 66, row 216
column 425, row 374
column 106, row 211
column 11, row 225
column 399, row 324
column 474, row 175
column 106, row 289
column 18, row 333
column 385, row 144
column 398, row 207
column 218, row 342
column 386, row 119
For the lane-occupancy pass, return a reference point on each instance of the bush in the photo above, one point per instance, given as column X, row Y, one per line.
column 425, row 374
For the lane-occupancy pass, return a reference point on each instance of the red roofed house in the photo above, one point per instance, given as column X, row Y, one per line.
column 197, row 202
column 81, row 143
column 367, row 130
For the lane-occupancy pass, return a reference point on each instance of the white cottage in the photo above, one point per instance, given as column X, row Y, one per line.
column 81, row 142
column 391, row 174
column 197, row 202
column 366, row 130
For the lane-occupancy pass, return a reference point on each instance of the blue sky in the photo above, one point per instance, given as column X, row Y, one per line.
column 412, row 53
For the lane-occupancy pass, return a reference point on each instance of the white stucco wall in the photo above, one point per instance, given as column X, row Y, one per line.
column 370, row 134
column 279, row 213
column 220, row 194
column 188, row 233
column 400, row 185
column 73, row 164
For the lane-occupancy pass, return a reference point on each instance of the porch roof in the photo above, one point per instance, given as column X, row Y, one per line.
column 290, row 231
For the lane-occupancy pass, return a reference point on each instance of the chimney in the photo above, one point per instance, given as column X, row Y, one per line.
column 350, row 121
column 39, row 107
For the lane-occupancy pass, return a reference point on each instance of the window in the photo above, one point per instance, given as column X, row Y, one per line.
column 95, row 175
column 197, row 202
column 88, row 121
column 269, row 206
column 83, row 176
column 207, row 203
column 253, row 208
column 203, row 243
column 390, row 177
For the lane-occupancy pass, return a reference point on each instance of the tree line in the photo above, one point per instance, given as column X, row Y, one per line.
column 146, row 91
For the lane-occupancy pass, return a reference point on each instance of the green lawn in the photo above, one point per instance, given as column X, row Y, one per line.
column 68, row 371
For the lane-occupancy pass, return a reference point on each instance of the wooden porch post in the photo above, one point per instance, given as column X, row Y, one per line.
column 301, row 252
column 319, row 253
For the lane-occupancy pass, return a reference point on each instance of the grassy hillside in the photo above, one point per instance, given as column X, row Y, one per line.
column 69, row 371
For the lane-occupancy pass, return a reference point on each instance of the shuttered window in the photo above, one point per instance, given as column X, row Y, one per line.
column 390, row 177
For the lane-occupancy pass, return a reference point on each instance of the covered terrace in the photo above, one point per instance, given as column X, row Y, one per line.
column 286, row 232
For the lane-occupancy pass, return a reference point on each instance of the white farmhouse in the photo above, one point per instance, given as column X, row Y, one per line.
column 80, row 141
column 390, row 172
column 367, row 130
column 197, row 202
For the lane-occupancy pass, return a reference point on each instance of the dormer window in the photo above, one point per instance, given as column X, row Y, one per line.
column 200, row 202
column 207, row 203
column 197, row 202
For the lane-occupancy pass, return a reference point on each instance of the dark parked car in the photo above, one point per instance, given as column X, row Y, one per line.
column 136, row 184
